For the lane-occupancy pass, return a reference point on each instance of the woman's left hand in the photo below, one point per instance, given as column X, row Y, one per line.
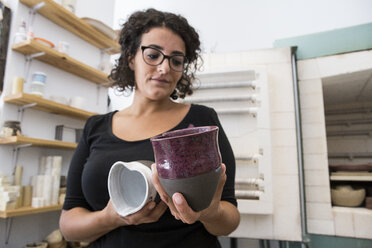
column 179, row 206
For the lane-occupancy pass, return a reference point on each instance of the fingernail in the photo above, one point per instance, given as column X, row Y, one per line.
column 178, row 199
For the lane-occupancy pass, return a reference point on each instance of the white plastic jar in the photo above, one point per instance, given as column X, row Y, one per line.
column 38, row 83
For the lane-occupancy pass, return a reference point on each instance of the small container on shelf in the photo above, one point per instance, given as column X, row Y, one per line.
column 69, row 5
column 38, row 83
column 10, row 128
column 17, row 85
column 21, row 34
column 63, row 47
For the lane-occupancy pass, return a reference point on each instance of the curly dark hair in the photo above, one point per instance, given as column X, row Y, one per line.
column 141, row 22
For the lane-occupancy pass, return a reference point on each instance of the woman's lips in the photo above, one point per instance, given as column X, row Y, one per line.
column 161, row 80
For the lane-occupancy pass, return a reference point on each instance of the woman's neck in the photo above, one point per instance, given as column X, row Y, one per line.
column 144, row 106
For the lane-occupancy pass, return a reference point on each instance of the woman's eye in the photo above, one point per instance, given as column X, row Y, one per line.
column 153, row 56
column 177, row 61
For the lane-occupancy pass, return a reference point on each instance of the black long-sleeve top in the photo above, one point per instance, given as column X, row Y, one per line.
column 99, row 149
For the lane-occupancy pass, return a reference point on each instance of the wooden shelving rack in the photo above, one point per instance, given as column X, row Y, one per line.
column 66, row 19
column 61, row 61
column 22, row 140
column 49, row 106
column 28, row 210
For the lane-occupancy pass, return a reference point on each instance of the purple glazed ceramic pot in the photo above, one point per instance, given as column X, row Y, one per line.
column 187, row 152
column 188, row 161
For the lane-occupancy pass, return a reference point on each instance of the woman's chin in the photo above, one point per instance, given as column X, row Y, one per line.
column 159, row 95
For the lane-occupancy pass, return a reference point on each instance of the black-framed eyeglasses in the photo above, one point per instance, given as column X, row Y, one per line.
column 153, row 56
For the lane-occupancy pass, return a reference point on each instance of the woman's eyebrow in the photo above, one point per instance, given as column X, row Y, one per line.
column 161, row 48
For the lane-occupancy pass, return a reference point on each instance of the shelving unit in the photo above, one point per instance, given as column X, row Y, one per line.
column 46, row 105
column 32, row 49
column 234, row 95
column 21, row 140
column 28, row 210
column 66, row 19
column 61, row 61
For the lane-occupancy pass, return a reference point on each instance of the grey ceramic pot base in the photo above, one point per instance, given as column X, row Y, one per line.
column 198, row 191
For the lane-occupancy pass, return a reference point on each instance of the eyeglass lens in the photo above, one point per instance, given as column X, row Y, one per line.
column 153, row 56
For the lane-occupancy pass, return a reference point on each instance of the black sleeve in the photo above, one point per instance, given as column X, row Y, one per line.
column 74, row 192
column 228, row 159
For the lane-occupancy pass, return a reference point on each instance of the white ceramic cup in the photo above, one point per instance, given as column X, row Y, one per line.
column 130, row 186
column 77, row 102
column 63, row 47
column 69, row 5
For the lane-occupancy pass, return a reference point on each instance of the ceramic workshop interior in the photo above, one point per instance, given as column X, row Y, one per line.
column 291, row 119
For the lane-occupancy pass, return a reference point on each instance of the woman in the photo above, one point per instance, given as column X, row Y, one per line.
column 159, row 55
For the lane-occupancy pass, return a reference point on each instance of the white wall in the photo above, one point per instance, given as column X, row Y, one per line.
column 240, row 25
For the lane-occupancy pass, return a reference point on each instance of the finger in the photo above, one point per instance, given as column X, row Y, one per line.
column 159, row 209
column 149, row 213
column 186, row 214
column 157, row 212
column 139, row 216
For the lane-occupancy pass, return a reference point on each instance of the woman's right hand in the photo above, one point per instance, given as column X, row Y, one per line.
column 151, row 212
column 80, row 224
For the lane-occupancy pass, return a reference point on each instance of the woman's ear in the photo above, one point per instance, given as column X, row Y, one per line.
column 131, row 62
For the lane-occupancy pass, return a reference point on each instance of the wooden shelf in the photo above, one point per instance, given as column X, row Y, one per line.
column 61, row 61
column 28, row 210
column 21, row 140
column 66, row 19
column 46, row 105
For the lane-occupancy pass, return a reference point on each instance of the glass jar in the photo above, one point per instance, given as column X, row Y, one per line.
column 11, row 128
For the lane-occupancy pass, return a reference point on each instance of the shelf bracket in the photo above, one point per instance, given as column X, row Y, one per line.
column 101, row 57
column 105, row 50
column 16, row 152
column 109, row 84
column 99, row 86
column 21, row 110
column 102, row 63
column 32, row 11
column 8, row 227
column 97, row 93
column 28, row 63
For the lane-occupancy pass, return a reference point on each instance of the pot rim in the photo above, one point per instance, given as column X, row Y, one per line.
column 161, row 137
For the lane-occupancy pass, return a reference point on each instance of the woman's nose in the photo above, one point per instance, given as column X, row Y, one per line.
column 164, row 66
